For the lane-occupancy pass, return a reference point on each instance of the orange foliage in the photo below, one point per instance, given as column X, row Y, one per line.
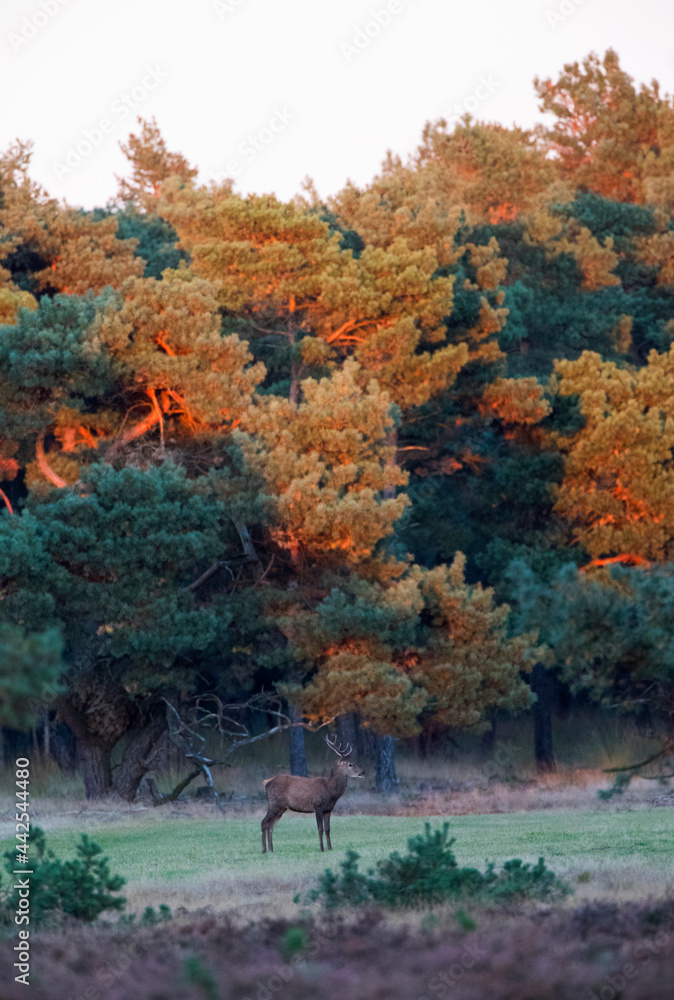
column 502, row 213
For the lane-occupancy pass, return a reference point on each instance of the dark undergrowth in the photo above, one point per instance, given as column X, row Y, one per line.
column 541, row 953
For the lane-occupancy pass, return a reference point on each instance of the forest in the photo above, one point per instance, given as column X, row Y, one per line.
column 399, row 459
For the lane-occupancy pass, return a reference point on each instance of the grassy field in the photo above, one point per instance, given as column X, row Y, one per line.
column 233, row 907
column 205, row 861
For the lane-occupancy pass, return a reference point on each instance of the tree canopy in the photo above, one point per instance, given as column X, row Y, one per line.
column 374, row 452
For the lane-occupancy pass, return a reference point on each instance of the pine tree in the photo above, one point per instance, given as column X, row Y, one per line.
column 110, row 565
column 278, row 268
column 608, row 630
column 608, row 136
column 151, row 164
column 30, row 669
column 85, row 254
column 617, row 486
column 425, row 647
column 326, row 463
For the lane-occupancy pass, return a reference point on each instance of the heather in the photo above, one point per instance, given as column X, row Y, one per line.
column 538, row 953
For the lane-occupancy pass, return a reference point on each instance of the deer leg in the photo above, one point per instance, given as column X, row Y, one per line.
column 264, row 825
column 326, row 821
column 270, row 829
column 319, row 824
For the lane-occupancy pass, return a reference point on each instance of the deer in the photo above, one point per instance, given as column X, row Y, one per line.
column 306, row 795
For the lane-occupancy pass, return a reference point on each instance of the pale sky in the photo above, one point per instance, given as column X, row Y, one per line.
column 274, row 90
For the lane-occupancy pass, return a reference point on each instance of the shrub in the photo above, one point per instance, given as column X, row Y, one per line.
column 295, row 940
column 429, row 874
column 149, row 918
column 200, row 975
column 80, row 888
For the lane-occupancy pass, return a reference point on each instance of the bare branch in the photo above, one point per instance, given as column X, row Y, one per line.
column 191, row 743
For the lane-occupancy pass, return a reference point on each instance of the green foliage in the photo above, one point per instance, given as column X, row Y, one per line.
column 465, row 921
column 611, row 633
column 621, row 782
column 294, row 941
column 109, row 564
column 49, row 359
column 156, row 240
column 30, row 669
column 80, row 888
column 200, row 975
column 150, row 917
column 605, row 217
column 429, row 874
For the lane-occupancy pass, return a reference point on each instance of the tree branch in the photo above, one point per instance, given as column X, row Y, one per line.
column 5, row 500
column 44, row 466
column 192, row 743
column 667, row 750
column 141, row 428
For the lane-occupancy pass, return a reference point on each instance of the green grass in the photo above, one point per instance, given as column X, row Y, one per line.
column 194, row 861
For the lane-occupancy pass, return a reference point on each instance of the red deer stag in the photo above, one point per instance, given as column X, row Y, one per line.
column 305, row 795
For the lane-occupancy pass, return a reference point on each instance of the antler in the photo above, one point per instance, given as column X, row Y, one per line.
column 338, row 751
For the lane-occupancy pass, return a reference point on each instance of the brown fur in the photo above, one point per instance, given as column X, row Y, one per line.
column 306, row 795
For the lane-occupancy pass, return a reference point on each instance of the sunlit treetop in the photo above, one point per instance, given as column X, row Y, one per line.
column 396, row 205
column 151, row 164
column 46, row 248
column 491, row 171
column 608, row 136
column 26, row 217
column 278, row 267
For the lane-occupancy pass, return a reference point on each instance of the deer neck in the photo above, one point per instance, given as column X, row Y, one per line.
column 339, row 779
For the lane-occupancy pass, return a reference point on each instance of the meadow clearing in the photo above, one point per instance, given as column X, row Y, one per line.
column 237, row 933
column 193, row 857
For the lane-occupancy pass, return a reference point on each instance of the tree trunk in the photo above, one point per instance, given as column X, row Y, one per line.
column 2, row 747
column 247, row 543
column 63, row 748
column 136, row 758
column 95, row 766
column 93, row 751
column 46, row 735
column 366, row 740
column 541, row 685
column 386, row 779
column 298, row 754
column 489, row 735
column 347, row 730
column 425, row 743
